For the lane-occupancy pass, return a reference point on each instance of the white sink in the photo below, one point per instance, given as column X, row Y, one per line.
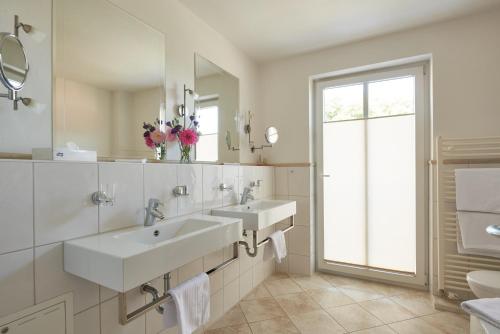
column 259, row 214
column 124, row 259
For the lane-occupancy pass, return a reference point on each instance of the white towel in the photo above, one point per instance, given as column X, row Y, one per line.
column 473, row 238
column 279, row 245
column 487, row 309
column 478, row 189
column 190, row 308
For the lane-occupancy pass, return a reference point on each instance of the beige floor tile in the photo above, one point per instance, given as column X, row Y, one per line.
column 339, row 280
column 378, row 330
column 316, row 322
column 281, row 325
column 259, row 292
column 282, row 287
column 276, row 276
column 232, row 317
column 297, row 303
column 311, row 282
column 330, row 297
column 387, row 310
column 261, row 309
column 360, row 295
column 388, row 289
column 449, row 323
column 415, row 326
column 419, row 303
column 354, row 317
column 238, row 329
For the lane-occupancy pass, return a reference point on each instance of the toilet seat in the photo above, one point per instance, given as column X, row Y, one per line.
column 484, row 283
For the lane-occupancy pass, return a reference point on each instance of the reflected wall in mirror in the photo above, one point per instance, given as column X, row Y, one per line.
column 109, row 75
column 217, row 109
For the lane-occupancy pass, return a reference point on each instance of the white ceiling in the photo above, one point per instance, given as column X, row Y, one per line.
column 270, row 29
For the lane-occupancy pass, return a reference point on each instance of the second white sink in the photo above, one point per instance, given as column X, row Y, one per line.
column 259, row 214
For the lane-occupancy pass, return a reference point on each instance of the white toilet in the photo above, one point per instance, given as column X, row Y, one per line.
column 485, row 284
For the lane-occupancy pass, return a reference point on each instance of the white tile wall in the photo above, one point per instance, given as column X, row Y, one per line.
column 16, row 206
column 159, row 182
column 52, row 281
column 212, row 179
column 63, row 209
column 16, row 281
column 190, row 176
column 88, row 321
column 128, row 207
column 230, row 175
column 294, row 183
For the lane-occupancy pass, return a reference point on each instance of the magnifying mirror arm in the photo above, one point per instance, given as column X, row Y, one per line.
column 14, row 97
column 26, row 27
column 261, row 147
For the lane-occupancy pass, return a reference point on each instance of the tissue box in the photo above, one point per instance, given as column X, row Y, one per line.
column 63, row 154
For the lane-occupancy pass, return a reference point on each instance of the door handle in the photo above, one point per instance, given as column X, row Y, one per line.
column 325, row 175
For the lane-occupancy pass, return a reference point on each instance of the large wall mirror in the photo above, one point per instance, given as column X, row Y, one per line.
column 109, row 75
column 217, row 108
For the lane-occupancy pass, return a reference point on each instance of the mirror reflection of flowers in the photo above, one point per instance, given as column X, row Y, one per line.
column 186, row 135
column 155, row 138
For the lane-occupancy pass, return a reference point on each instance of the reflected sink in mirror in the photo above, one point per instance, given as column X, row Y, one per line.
column 124, row 259
column 257, row 215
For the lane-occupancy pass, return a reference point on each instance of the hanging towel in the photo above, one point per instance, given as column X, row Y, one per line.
column 478, row 206
column 190, row 305
column 279, row 245
column 487, row 309
column 473, row 238
column 478, row 189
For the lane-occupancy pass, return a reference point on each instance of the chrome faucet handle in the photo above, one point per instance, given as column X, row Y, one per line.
column 181, row 191
column 224, row 186
column 259, row 182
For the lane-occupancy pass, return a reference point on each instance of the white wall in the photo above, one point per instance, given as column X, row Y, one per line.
column 465, row 74
column 186, row 34
column 83, row 115
column 29, row 127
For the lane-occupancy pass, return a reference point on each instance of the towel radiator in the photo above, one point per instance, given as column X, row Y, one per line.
column 453, row 267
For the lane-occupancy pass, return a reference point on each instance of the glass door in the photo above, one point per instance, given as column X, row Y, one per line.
column 371, row 182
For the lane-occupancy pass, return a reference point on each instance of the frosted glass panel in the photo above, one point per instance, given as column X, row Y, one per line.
column 391, row 193
column 344, row 192
column 343, row 103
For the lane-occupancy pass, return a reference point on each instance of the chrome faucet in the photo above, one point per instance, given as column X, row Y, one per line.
column 152, row 212
column 247, row 194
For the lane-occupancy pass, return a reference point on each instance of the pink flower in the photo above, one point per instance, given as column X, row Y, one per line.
column 157, row 136
column 188, row 137
column 149, row 142
column 171, row 136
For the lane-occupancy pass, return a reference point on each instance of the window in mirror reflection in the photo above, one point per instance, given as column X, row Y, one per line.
column 207, row 148
column 216, row 106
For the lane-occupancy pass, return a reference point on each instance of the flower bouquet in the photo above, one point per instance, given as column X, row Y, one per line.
column 186, row 135
column 156, row 139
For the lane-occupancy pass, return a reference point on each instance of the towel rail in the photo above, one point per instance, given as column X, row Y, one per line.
column 256, row 245
column 125, row 317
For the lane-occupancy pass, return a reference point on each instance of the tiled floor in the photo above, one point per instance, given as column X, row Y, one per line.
column 333, row 304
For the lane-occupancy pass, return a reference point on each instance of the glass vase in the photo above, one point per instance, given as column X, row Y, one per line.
column 185, row 154
column 161, row 152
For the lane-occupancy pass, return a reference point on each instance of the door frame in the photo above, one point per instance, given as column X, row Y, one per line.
column 423, row 148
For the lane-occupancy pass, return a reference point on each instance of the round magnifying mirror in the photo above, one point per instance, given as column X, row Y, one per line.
column 13, row 62
column 272, row 135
